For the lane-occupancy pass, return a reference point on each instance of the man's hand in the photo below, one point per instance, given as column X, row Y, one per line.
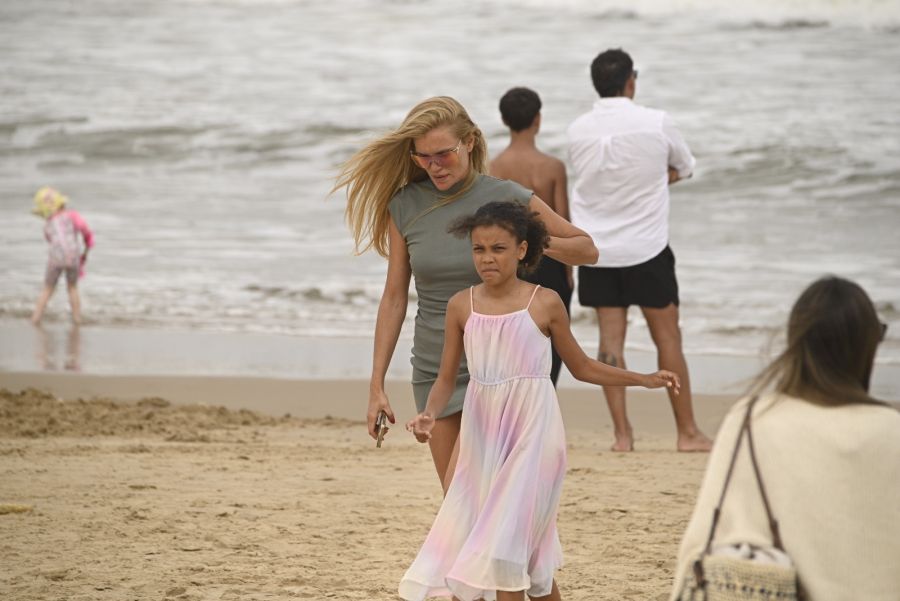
column 673, row 175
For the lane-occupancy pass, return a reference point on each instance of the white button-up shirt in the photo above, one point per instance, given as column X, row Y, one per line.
column 621, row 153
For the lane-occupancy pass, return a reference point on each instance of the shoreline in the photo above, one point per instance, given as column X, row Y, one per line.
column 131, row 352
column 583, row 409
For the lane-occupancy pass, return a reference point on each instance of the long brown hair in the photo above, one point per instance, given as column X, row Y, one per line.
column 376, row 173
column 832, row 335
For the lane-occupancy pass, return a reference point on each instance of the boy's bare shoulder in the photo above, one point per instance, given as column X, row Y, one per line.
column 551, row 162
column 501, row 165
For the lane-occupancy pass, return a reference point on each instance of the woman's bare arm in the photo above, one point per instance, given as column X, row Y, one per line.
column 568, row 244
column 391, row 313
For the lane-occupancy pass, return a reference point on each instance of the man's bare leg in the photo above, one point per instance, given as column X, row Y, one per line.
column 613, row 322
column 666, row 334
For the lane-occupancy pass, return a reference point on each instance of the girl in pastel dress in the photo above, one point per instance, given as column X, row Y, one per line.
column 61, row 229
column 495, row 536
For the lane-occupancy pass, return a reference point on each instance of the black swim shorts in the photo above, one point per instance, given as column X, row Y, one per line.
column 648, row 284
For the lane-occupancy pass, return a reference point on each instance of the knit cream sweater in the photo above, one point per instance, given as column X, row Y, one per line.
column 832, row 475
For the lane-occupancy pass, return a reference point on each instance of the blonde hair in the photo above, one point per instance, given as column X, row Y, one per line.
column 377, row 172
column 47, row 201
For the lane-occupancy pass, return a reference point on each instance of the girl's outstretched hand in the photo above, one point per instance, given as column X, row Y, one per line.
column 421, row 426
column 664, row 378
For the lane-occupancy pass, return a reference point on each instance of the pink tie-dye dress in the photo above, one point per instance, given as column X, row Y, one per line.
column 496, row 529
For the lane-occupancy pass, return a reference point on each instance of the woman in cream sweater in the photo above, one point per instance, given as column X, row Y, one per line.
column 828, row 452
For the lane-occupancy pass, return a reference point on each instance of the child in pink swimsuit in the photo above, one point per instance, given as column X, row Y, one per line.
column 61, row 231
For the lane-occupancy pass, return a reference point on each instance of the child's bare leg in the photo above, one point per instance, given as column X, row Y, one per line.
column 451, row 467
column 666, row 334
column 46, row 293
column 75, row 303
column 73, row 349
column 553, row 596
column 442, row 443
column 510, row 596
column 613, row 322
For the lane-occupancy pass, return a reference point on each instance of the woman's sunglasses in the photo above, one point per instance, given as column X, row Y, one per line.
column 442, row 158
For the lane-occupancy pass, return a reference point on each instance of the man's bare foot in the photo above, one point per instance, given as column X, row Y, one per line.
column 623, row 444
column 695, row 443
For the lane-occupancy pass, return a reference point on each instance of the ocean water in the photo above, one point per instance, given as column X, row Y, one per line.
column 200, row 139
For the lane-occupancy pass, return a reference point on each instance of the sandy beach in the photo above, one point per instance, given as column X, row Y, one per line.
column 199, row 436
column 150, row 499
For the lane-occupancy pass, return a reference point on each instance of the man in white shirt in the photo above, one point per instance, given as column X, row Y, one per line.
column 625, row 156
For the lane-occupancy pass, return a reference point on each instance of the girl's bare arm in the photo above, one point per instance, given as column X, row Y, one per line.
column 451, row 356
column 583, row 367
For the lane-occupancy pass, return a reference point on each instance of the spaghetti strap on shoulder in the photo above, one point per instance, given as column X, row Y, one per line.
column 471, row 299
column 532, row 296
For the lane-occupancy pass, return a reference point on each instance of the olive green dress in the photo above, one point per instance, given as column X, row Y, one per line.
column 441, row 266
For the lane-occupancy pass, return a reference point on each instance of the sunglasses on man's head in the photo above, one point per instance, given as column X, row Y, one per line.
column 442, row 158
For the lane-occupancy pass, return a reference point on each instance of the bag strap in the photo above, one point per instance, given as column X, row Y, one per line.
column 773, row 523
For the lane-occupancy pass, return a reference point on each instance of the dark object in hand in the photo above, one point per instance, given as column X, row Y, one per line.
column 381, row 427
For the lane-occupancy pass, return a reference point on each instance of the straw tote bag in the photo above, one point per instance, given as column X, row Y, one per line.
column 743, row 572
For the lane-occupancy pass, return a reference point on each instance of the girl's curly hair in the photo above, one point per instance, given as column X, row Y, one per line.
column 516, row 219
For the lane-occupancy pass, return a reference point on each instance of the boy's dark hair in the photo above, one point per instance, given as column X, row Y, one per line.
column 519, row 107
column 610, row 72
column 515, row 219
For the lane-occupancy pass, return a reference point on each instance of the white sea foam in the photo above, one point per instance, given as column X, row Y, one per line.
column 772, row 13
column 200, row 140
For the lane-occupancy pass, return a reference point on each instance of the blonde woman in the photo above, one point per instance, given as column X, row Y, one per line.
column 403, row 191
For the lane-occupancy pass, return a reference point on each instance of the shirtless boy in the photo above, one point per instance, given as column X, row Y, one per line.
column 543, row 174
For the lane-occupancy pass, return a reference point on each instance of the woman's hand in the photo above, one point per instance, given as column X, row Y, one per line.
column 421, row 426
column 663, row 378
column 391, row 312
column 378, row 401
